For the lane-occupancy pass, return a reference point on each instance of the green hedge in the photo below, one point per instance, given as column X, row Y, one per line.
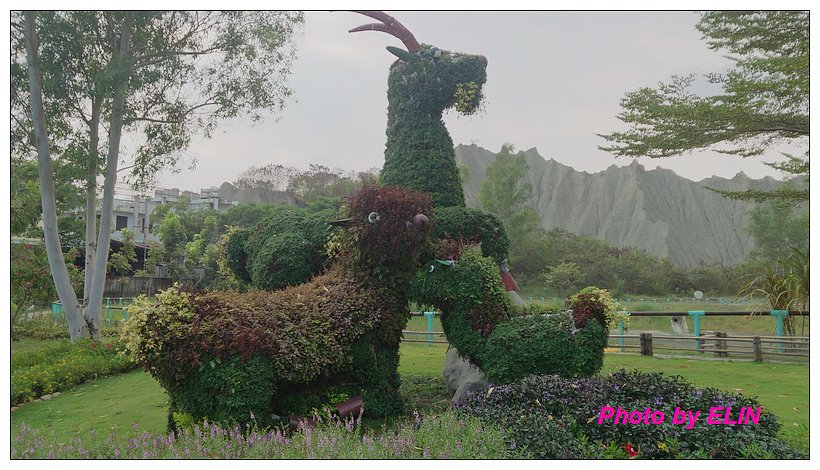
column 543, row 345
column 64, row 365
column 285, row 249
column 465, row 226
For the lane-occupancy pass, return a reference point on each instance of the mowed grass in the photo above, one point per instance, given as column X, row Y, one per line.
column 104, row 405
column 781, row 388
column 136, row 398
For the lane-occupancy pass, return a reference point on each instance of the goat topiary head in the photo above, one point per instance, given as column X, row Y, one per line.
column 387, row 226
column 425, row 78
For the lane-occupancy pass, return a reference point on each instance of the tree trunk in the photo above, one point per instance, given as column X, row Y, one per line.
column 59, row 272
column 93, row 310
column 91, row 199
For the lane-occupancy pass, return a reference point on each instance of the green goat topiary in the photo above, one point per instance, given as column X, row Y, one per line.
column 423, row 83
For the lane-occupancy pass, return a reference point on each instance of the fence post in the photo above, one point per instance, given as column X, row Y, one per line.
column 696, row 314
column 646, row 344
column 779, row 316
column 721, row 344
column 429, row 316
column 758, row 349
column 621, row 333
column 108, row 309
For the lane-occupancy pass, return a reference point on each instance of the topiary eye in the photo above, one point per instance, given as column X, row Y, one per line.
column 435, row 52
column 373, row 217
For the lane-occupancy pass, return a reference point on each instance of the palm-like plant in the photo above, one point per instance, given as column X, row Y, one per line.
column 783, row 284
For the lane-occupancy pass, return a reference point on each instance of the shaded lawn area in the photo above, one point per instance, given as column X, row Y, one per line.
column 117, row 403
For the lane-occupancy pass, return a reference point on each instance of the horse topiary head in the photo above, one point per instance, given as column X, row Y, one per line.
column 386, row 227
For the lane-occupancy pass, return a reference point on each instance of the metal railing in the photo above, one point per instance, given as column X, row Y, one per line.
column 109, row 303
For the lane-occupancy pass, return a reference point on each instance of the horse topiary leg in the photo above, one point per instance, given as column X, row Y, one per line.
column 375, row 372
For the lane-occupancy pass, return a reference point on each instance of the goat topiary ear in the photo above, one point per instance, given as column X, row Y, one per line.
column 400, row 53
column 341, row 223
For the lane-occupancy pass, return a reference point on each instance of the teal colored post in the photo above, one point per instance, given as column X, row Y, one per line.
column 621, row 332
column 56, row 309
column 125, row 313
column 696, row 314
column 429, row 316
column 108, row 309
column 779, row 315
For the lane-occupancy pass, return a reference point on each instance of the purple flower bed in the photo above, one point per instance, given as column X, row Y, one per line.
column 449, row 436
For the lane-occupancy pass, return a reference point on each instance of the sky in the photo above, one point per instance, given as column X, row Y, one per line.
column 555, row 79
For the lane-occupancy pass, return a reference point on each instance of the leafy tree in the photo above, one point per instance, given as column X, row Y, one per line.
column 763, row 101
column 247, row 214
column 31, row 282
column 173, row 236
column 506, row 193
column 274, row 177
column 778, row 229
column 564, row 278
column 161, row 77
column 122, row 261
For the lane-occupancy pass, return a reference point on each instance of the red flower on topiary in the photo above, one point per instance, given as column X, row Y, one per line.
column 630, row 451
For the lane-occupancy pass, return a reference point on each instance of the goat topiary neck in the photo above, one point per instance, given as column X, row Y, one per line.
column 420, row 156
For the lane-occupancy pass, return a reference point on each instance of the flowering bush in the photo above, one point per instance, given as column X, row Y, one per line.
column 553, row 417
column 64, row 365
column 153, row 326
column 593, row 302
column 449, row 436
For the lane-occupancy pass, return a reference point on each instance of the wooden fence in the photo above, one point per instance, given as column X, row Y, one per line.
column 702, row 344
column 715, row 344
column 127, row 286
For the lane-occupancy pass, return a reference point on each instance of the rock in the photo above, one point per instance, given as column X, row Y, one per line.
column 516, row 299
column 14, row 408
column 656, row 211
column 56, row 394
column 46, row 397
column 679, row 325
column 461, row 376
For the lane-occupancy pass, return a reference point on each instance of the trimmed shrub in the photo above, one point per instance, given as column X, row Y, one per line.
column 64, row 365
column 544, row 345
column 471, row 298
column 286, row 249
column 456, row 227
column 553, row 417
column 233, row 391
column 596, row 303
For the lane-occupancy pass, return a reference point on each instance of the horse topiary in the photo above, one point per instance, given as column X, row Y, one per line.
column 248, row 357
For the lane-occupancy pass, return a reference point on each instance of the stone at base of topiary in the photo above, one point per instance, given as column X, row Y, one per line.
column 461, row 376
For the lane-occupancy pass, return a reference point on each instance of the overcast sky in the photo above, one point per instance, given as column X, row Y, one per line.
column 555, row 79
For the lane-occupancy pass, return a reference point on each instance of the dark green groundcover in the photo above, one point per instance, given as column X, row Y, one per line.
column 557, row 418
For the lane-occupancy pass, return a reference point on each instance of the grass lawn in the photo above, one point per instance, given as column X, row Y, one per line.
column 119, row 402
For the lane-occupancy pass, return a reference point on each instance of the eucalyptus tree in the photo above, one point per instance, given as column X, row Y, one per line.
column 84, row 83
